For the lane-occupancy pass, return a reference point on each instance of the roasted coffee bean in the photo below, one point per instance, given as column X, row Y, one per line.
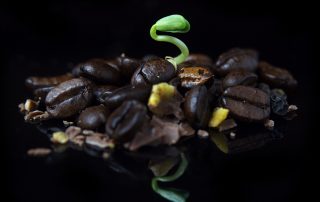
column 104, row 90
column 199, row 59
column 150, row 57
column 152, row 72
column 127, row 65
column 100, row 71
column 69, row 97
column 93, row 117
column 42, row 92
column 124, row 122
column 247, row 103
column 237, row 58
column 35, row 82
column 264, row 87
column 194, row 76
column 239, row 77
column 279, row 104
column 276, row 77
column 118, row 96
column 36, row 116
column 197, row 109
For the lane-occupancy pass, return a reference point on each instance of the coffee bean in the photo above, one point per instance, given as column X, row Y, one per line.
column 42, row 92
column 247, row 103
column 100, row 71
column 103, row 90
column 126, row 120
column 194, row 76
column 152, row 72
column 276, row 77
column 69, row 97
column 127, row 65
column 35, row 82
column 237, row 58
column 196, row 107
column 118, row 96
column 239, row 77
column 93, row 117
column 199, row 59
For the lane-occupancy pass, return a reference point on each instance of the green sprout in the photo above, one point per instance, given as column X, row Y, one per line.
column 172, row 194
column 172, row 24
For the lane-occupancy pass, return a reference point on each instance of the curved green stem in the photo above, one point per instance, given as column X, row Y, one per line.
column 170, row 39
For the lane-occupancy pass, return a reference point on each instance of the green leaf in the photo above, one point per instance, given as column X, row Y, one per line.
column 173, row 24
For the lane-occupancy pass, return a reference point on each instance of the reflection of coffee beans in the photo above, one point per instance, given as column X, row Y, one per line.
column 239, row 77
column 126, row 120
column 247, row 103
column 237, row 58
column 69, row 97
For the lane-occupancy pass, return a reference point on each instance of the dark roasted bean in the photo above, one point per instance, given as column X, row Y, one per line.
column 279, row 104
column 104, row 90
column 152, row 72
column 127, row 65
column 118, row 96
column 194, row 76
column 237, row 58
column 276, row 77
column 199, row 59
column 93, row 117
column 69, row 98
column 124, row 122
column 35, row 82
column 100, row 71
column 239, row 77
column 247, row 103
column 42, row 92
column 196, row 106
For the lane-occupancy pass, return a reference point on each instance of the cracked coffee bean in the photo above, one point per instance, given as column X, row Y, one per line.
column 247, row 103
column 239, row 77
column 276, row 77
column 152, row 72
column 98, row 70
column 126, row 120
column 196, row 106
column 237, row 58
column 69, row 98
column 36, row 82
column 118, row 96
column 93, row 117
column 194, row 76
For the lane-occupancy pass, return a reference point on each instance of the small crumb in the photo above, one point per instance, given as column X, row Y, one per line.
column 218, row 116
column 232, row 135
column 88, row 132
column 292, row 108
column 203, row 133
column 21, row 108
column 269, row 124
column 106, row 155
column 67, row 123
column 30, row 105
column 39, row 152
column 59, row 137
column 73, row 131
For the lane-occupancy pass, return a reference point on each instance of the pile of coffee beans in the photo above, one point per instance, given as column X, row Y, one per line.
column 132, row 103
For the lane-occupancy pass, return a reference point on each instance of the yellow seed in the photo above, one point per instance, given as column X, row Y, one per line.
column 59, row 137
column 218, row 115
column 160, row 92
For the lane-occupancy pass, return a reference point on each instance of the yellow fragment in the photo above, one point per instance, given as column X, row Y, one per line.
column 59, row 137
column 218, row 115
column 160, row 92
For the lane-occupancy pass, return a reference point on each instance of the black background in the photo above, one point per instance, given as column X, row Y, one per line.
column 46, row 38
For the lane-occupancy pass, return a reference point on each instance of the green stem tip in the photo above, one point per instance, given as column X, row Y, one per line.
column 172, row 24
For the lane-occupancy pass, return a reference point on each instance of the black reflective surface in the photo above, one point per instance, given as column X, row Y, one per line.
column 50, row 38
